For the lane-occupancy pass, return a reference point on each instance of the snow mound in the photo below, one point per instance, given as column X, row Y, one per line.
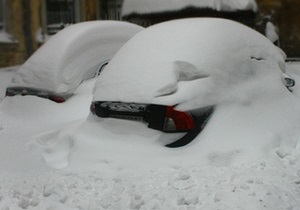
column 164, row 62
column 271, row 32
column 155, row 6
column 55, row 156
column 64, row 61
column 194, row 63
column 248, row 157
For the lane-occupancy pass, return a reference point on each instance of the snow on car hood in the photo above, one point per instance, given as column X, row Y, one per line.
column 176, row 61
column 62, row 62
column 154, row 6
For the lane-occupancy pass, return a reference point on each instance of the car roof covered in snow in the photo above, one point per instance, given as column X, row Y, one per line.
column 157, row 60
column 66, row 58
column 156, row 6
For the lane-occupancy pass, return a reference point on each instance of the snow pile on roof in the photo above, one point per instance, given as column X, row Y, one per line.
column 170, row 53
column 61, row 63
column 156, row 6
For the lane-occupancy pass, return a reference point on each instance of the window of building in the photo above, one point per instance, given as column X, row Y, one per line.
column 110, row 9
column 60, row 13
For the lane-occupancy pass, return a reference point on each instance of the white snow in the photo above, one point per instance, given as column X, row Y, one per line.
column 65, row 60
column 6, row 37
column 40, row 37
column 271, row 32
column 56, row 156
column 155, row 6
column 208, row 46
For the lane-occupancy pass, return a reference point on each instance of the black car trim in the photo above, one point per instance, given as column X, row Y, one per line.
column 201, row 121
column 59, row 98
column 152, row 114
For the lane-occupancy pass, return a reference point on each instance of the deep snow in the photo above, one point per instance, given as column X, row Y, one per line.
column 57, row 156
column 122, row 165
column 69, row 56
column 189, row 62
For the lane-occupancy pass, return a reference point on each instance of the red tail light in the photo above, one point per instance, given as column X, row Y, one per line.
column 159, row 117
column 9, row 93
column 57, row 99
column 178, row 121
column 92, row 108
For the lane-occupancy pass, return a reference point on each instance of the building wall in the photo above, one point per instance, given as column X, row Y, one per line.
column 284, row 14
column 289, row 28
column 90, row 10
column 22, row 21
column 24, row 18
column 36, row 21
column 12, row 52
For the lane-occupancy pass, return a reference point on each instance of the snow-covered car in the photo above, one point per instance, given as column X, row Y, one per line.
column 174, row 75
column 73, row 55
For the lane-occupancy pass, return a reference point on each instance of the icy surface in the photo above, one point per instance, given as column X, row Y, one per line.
column 62, row 62
column 155, row 6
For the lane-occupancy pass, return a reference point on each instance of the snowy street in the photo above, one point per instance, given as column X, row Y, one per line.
column 52, row 158
column 149, row 105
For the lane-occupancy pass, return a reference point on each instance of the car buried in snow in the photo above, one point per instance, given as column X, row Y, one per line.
column 77, row 53
column 172, row 76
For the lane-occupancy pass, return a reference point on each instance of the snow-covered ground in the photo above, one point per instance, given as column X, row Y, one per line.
column 58, row 156
column 52, row 158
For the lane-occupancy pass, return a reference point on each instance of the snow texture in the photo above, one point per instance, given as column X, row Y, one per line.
column 6, row 38
column 156, row 6
column 58, row 156
column 178, row 56
column 65, row 60
column 271, row 32
column 59, row 160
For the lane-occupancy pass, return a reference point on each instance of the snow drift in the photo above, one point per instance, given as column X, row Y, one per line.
column 161, row 60
column 194, row 63
column 55, row 156
column 65, row 60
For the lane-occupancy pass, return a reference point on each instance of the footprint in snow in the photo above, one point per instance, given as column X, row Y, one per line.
column 55, row 148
